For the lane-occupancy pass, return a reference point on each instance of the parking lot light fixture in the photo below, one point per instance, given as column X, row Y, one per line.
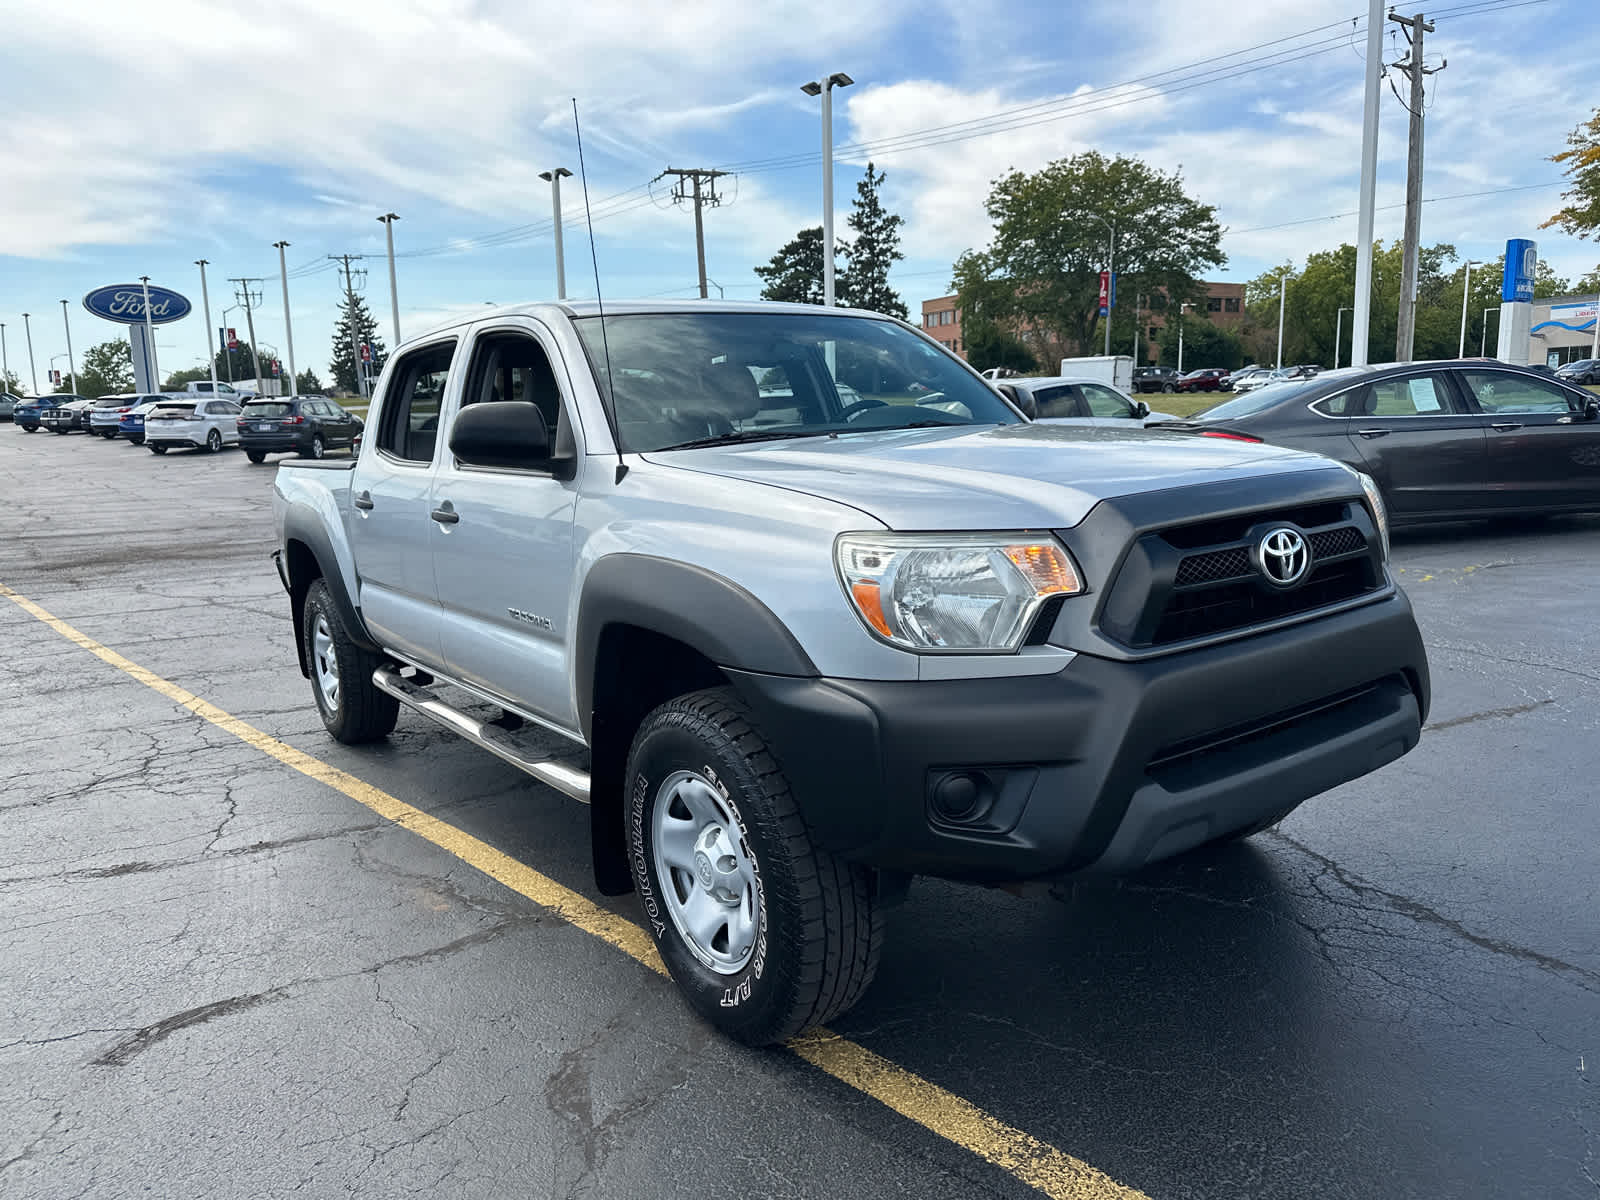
column 1338, row 333
column 825, row 90
column 5, row 359
column 288, row 329
column 388, row 220
column 33, row 374
column 72, row 365
column 1466, row 291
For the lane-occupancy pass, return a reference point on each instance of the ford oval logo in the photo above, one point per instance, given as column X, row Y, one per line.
column 124, row 302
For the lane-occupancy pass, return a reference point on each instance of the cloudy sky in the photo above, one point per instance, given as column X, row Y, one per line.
column 136, row 138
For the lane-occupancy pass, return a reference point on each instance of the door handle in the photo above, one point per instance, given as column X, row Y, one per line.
column 1505, row 426
column 363, row 500
column 1373, row 433
column 445, row 514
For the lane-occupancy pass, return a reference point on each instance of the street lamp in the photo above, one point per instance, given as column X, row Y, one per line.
column 825, row 90
column 71, row 365
column 1466, row 290
column 1338, row 333
column 33, row 373
column 1111, row 250
column 553, row 177
column 388, row 220
column 1182, row 308
column 1283, row 291
column 226, row 350
column 1483, row 342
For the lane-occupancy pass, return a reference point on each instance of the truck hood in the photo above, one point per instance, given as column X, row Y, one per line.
column 1032, row 476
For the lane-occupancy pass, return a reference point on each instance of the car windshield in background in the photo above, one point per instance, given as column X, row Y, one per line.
column 269, row 408
column 682, row 380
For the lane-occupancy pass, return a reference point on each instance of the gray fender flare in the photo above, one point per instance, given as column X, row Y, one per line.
column 304, row 529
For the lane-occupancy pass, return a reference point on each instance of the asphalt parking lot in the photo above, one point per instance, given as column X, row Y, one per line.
column 224, row 977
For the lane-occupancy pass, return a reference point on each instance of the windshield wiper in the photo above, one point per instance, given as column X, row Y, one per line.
column 747, row 435
column 913, row 425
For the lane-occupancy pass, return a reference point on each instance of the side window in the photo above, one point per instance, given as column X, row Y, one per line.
column 1056, row 402
column 410, row 419
column 514, row 366
column 1103, row 402
column 1415, row 396
column 1505, row 392
column 1345, row 404
column 229, row 407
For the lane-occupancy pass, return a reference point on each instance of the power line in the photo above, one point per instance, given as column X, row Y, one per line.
column 1525, row 187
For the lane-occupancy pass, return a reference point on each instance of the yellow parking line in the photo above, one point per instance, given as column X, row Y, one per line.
column 1036, row 1163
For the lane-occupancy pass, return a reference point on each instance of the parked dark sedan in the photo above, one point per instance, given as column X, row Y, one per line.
column 67, row 413
column 1585, row 370
column 1206, row 379
column 310, row 426
column 1443, row 440
column 1155, row 379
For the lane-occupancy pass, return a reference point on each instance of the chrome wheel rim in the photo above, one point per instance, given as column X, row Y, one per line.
column 316, row 447
column 213, row 440
column 325, row 663
column 708, row 876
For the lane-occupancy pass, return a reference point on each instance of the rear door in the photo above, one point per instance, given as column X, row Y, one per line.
column 1542, row 453
column 1421, row 443
column 504, row 559
column 391, row 530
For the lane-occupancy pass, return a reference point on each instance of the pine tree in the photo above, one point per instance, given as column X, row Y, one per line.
column 353, row 313
column 795, row 272
column 876, row 248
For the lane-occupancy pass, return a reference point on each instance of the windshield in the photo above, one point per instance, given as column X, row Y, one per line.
column 692, row 379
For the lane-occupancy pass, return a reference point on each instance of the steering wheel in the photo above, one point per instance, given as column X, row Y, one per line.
column 851, row 411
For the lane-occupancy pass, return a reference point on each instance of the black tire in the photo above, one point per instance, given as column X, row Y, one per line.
column 819, row 927
column 30, row 429
column 255, row 456
column 213, row 441
column 136, row 438
column 362, row 713
column 1168, row 388
column 318, row 446
column 59, row 432
column 155, row 449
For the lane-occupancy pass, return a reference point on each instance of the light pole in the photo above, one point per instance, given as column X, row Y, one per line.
column 555, row 175
column 53, row 360
column 288, row 330
column 1483, row 342
column 388, row 220
column 5, row 361
column 1466, row 290
column 825, row 90
column 226, row 350
column 1182, row 308
column 72, row 365
column 33, row 374
column 205, row 299
column 1283, row 290
column 1136, row 299
column 1338, row 333
column 1594, row 348
column 1111, row 251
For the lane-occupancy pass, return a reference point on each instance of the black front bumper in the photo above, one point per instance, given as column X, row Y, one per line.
column 1106, row 765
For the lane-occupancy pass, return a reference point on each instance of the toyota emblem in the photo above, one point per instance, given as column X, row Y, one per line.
column 1283, row 557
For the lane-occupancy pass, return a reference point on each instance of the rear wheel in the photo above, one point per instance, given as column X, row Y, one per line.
column 136, row 438
column 255, row 456
column 353, row 708
column 763, row 932
column 1168, row 388
column 213, row 441
column 30, row 429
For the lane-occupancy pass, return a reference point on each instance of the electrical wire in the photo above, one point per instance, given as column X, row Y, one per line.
column 1525, row 187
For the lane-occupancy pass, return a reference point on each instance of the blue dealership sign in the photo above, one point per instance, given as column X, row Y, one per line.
column 124, row 302
column 1522, row 267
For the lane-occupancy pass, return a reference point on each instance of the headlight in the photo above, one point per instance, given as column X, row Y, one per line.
column 1379, row 513
column 952, row 592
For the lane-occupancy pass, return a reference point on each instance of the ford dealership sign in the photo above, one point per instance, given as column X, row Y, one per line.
column 125, row 302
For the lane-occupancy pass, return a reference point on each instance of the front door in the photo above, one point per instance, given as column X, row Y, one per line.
column 504, row 563
column 1543, row 454
column 391, row 528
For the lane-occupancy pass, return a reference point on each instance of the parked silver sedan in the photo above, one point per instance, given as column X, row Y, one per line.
column 211, row 424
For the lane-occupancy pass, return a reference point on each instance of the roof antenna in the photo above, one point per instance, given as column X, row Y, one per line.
column 583, row 175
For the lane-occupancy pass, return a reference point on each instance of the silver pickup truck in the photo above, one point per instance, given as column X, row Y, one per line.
column 802, row 608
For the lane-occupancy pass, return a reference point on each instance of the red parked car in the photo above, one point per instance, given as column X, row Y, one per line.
column 1207, row 379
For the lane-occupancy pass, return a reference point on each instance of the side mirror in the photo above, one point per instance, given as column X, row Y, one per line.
column 1141, row 410
column 501, row 433
column 1022, row 399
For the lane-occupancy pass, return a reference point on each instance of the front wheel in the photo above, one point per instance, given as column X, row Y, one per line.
column 764, row 933
column 353, row 708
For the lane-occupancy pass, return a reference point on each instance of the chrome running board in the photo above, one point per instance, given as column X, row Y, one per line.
column 565, row 779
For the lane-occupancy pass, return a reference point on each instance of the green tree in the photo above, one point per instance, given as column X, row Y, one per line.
column 1589, row 283
column 1041, row 270
column 794, row 274
column 11, row 383
column 106, row 369
column 1204, row 343
column 177, row 379
column 874, row 251
column 237, row 366
column 307, row 383
column 988, row 345
column 1580, row 215
column 354, row 315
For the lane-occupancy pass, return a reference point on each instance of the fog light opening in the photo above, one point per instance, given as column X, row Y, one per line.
column 963, row 797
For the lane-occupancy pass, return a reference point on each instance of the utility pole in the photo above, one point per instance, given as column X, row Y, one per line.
column 33, row 374
column 1406, row 327
column 350, row 308
column 72, row 364
column 205, row 299
column 1362, row 320
column 555, row 176
column 247, row 299
column 1466, row 290
column 691, row 180
column 388, row 220
column 288, row 332
column 5, row 361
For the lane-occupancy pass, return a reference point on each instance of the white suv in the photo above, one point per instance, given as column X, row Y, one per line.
column 208, row 423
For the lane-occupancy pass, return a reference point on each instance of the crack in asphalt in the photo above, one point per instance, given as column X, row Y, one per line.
column 1487, row 714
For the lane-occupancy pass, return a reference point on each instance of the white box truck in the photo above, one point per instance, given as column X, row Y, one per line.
column 1115, row 369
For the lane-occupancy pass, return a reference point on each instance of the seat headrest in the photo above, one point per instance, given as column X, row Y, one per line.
column 730, row 391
